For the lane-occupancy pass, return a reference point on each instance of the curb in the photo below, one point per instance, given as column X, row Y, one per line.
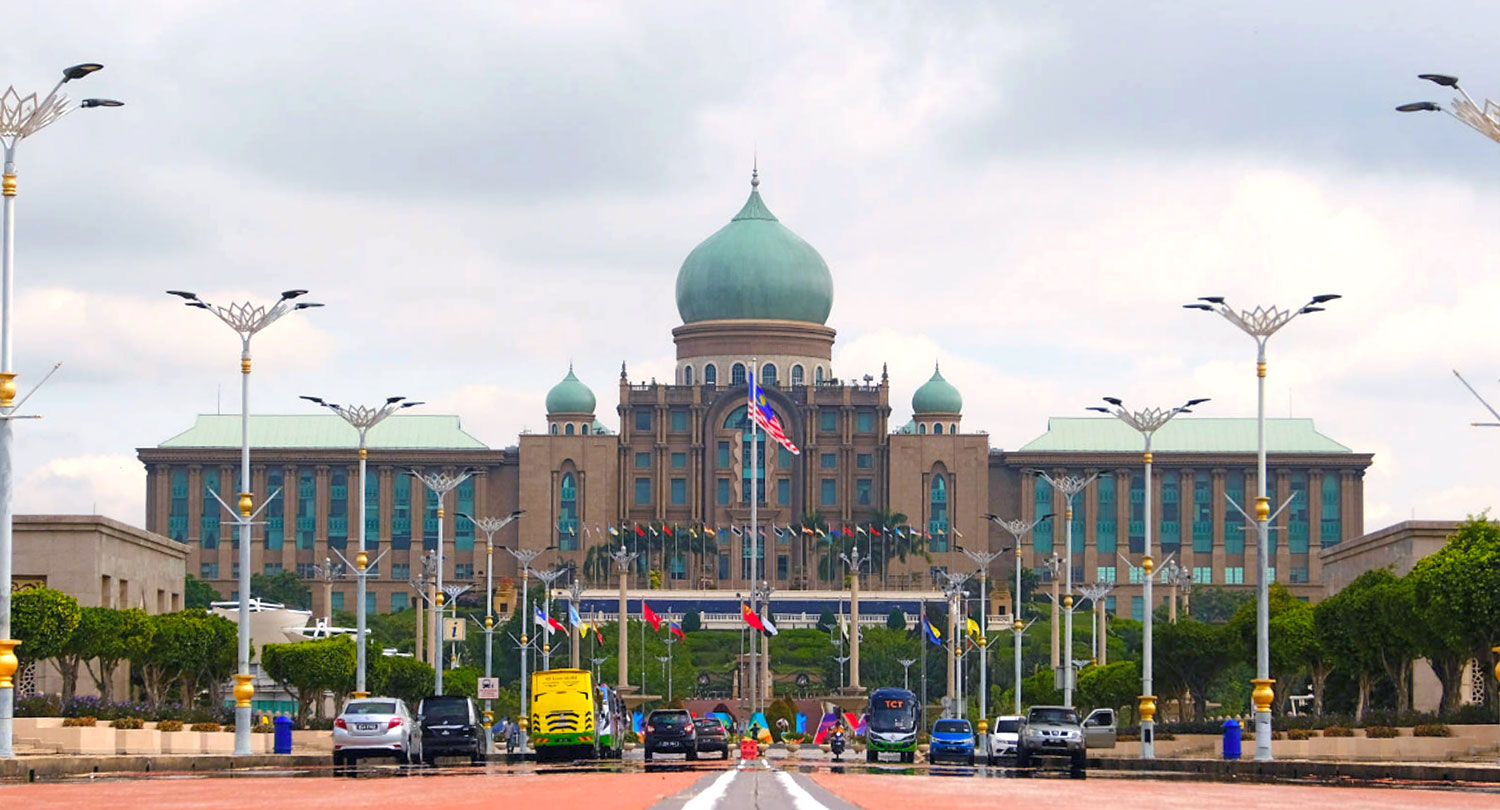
column 1307, row 769
column 32, row 768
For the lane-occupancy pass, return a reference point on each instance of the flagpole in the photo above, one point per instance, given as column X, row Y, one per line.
column 754, row 529
column 922, row 640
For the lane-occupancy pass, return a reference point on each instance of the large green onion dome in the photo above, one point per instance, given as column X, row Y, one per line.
column 937, row 395
column 570, row 396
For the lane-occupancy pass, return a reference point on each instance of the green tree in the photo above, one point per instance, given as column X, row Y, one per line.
column 1112, row 686
column 692, row 621
column 880, row 653
column 1340, row 624
column 896, row 620
column 1218, row 605
column 43, row 620
column 284, row 587
column 1191, row 654
column 1289, row 650
column 399, row 676
column 308, row 668
column 1458, row 592
column 1392, row 631
column 102, row 639
column 189, row 648
column 197, row 594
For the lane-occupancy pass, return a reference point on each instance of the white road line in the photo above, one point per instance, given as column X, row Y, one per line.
column 713, row 794
column 801, row 799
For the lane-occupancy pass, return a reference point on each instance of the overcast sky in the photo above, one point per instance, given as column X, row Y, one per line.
column 481, row 192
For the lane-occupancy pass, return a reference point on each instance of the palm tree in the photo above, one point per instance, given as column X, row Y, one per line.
column 819, row 528
column 886, row 525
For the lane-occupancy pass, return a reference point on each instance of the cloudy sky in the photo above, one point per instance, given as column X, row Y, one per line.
column 481, row 192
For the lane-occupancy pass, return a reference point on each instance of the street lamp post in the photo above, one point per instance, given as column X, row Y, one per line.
column 246, row 320
column 1485, row 120
column 906, row 672
column 1146, row 422
column 362, row 419
column 984, row 559
column 953, row 589
column 1017, row 529
column 450, row 594
column 1069, row 486
column 855, row 564
column 490, row 526
column 440, row 484
column 547, row 578
column 21, row 118
column 524, row 558
column 1261, row 323
column 622, row 560
column 762, row 593
column 1095, row 594
column 327, row 574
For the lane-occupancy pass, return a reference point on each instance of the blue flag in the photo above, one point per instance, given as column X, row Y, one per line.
column 932, row 633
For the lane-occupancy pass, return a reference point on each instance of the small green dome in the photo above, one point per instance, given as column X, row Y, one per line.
column 754, row 268
column 937, row 395
column 570, row 396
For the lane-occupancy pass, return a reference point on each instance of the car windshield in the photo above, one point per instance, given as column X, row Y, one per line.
column 1054, row 716
column 670, row 719
column 888, row 719
column 445, row 711
column 1007, row 726
column 951, row 727
column 707, row 725
column 372, row 707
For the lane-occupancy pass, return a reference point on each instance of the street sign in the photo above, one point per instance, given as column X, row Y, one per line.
column 453, row 629
column 489, row 688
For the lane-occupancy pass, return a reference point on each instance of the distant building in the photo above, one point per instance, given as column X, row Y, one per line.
column 676, row 462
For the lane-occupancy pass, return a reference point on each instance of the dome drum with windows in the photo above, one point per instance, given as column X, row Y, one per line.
column 570, row 407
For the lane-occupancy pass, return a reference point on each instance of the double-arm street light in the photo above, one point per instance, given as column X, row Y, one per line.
column 524, row 558
column 439, row 484
column 362, row 419
column 1017, row 529
column 1261, row 323
column 246, row 320
column 984, row 559
column 547, row 578
column 1146, row 422
column 490, row 526
column 20, row 118
column 1068, row 486
column 953, row 589
column 855, row 564
column 1095, row 594
column 1485, row 120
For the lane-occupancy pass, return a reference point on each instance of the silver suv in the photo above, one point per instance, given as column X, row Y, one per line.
column 1052, row 732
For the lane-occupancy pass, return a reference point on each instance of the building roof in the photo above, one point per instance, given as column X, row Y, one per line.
column 1068, row 434
column 570, row 396
column 937, row 395
column 754, row 268
column 402, row 431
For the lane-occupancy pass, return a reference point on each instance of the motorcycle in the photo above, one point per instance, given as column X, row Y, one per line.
column 836, row 745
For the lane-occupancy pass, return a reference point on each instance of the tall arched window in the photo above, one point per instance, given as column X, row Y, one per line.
column 797, row 374
column 567, row 514
column 737, row 374
column 739, row 419
column 711, row 374
column 568, row 429
column 687, row 375
column 768, row 374
column 554, row 428
column 818, row 375
column 937, row 524
column 922, row 427
column 178, row 516
column 937, row 427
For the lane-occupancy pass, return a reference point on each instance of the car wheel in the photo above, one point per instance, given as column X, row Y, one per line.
column 648, row 754
column 971, row 760
column 871, row 755
column 1079, row 765
column 692, row 756
column 1023, row 758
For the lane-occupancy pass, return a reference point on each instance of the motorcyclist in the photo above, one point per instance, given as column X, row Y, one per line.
column 836, row 741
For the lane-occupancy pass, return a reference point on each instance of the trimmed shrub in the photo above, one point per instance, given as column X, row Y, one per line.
column 1338, row 731
column 127, row 723
column 169, row 725
column 205, row 727
column 1431, row 730
column 1382, row 732
column 1301, row 733
column 79, row 722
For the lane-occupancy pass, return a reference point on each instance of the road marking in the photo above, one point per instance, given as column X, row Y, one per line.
column 713, row 794
column 801, row 799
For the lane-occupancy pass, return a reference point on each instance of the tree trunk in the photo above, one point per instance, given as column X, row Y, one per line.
column 1449, row 669
column 155, row 684
column 1365, row 684
column 67, row 665
column 1319, row 674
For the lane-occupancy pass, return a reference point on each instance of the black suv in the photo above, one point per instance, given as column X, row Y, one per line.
column 712, row 736
column 671, row 731
column 450, row 728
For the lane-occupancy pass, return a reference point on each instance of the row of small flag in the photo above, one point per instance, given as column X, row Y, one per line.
column 935, row 635
column 675, row 530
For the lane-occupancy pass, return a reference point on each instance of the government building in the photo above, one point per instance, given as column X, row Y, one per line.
column 671, row 467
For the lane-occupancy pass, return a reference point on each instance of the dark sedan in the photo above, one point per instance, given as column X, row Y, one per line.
column 712, row 736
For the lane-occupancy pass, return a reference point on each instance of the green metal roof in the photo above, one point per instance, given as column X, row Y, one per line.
column 1067, row 434
column 754, row 268
column 405, row 432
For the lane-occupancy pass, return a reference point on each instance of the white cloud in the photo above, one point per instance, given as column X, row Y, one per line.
column 113, row 486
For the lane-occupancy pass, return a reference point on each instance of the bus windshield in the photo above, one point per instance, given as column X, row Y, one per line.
column 892, row 714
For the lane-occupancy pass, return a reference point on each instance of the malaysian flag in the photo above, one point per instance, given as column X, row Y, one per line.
column 765, row 417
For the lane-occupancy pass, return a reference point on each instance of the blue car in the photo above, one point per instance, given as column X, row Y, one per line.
column 952, row 741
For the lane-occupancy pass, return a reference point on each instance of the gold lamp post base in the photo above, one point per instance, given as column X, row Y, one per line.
column 1147, row 708
column 1263, row 695
column 243, row 690
column 359, row 695
column 9, row 663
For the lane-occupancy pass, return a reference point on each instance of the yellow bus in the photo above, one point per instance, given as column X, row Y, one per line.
column 563, row 714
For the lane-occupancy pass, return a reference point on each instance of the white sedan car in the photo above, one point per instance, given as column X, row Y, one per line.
column 376, row 727
column 1004, row 735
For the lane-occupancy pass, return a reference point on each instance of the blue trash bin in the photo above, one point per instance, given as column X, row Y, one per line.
column 1231, row 739
column 283, row 742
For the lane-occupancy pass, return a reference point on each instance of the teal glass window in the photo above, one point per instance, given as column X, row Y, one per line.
column 463, row 502
column 679, row 420
column 937, row 512
column 828, row 461
column 723, row 454
column 783, row 566
column 1041, row 536
column 429, row 519
column 1234, row 522
column 1137, row 514
column 1203, row 575
column 567, row 513
column 798, row 376
column 1105, row 573
column 722, row 492
column 400, row 602
column 1274, row 504
column 679, row 491
column 177, row 514
column 1138, row 608
column 783, row 457
column 768, row 374
column 338, row 510
column 739, row 418
column 1234, row 575
column 679, row 461
column 213, row 513
column 1331, row 531
column 1171, row 513
column 737, row 374
column 828, row 419
column 275, row 510
column 307, row 507
column 710, row 374
column 642, row 418
column 863, row 487
column 1106, row 529
column 642, row 460
column 783, row 492
column 400, row 571
column 338, row 600
column 1297, row 529
column 401, row 512
column 864, row 461
column 372, row 510
column 643, row 492
column 1106, row 536
column 828, row 492
column 864, row 421
column 208, row 570
column 1203, row 514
